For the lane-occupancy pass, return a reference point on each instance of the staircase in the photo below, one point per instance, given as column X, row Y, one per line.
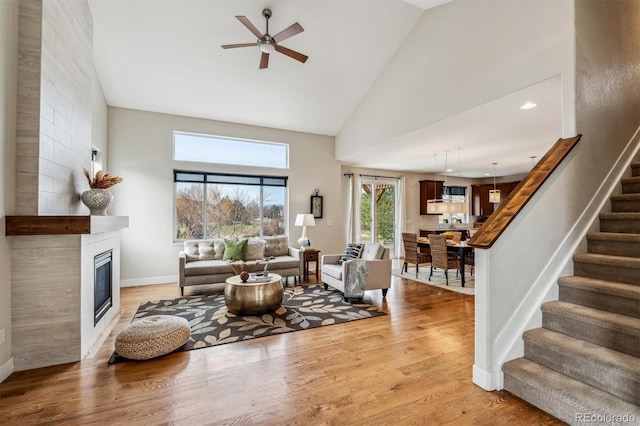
column 583, row 365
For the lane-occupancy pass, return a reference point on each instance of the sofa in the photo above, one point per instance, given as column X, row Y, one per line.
column 204, row 261
column 378, row 265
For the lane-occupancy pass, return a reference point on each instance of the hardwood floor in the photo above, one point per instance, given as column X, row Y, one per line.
column 412, row 366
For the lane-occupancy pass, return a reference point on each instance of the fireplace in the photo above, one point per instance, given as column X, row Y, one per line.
column 102, row 285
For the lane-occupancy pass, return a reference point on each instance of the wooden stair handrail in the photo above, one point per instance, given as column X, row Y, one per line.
column 520, row 196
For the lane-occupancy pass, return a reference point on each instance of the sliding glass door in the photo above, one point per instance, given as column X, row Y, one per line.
column 378, row 212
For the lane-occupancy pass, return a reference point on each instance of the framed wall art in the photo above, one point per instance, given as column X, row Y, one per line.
column 316, row 205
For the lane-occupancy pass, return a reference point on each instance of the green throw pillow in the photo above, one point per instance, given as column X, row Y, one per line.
column 234, row 250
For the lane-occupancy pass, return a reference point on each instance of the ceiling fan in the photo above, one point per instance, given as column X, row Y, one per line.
column 269, row 44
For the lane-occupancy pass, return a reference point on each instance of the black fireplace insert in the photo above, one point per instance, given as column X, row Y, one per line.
column 102, row 284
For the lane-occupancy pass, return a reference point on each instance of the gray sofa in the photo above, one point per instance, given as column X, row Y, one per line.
column 202, row 261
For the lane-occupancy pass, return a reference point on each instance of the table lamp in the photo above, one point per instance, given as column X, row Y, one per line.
column 304, row 220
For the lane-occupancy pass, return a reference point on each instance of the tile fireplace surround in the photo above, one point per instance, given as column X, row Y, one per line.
column 52, row 273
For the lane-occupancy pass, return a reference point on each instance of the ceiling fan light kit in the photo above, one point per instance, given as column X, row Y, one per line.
column 269, row 44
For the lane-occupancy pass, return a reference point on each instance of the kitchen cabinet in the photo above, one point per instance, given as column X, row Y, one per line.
column 480, row 197
column 480, row 200
column 429, row 190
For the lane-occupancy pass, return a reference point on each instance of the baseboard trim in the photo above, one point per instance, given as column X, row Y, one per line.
column 136, row 282
column 484, row 379
column 6, row 370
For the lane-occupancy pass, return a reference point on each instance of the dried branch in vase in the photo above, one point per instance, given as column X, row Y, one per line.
column 102, row 180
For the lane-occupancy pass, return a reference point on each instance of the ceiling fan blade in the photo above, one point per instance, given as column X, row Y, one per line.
column 292, row 54
column 250, row 26
column 288, row 32
column 264, row 60
column 232, row 46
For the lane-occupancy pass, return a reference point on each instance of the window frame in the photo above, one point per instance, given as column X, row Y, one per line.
column 213, row 178
column 232, row 139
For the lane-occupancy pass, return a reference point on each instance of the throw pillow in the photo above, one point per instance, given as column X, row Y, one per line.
column 234, row 250
column 255, row 249
column 276, row 246
column 351, row 252
column 372, row 252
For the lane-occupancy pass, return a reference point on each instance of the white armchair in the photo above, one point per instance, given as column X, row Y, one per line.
column 379, row 269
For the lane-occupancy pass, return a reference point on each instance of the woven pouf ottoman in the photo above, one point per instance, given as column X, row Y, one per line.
column 152, row 336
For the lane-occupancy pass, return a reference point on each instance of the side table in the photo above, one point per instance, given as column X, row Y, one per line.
column 309, row 256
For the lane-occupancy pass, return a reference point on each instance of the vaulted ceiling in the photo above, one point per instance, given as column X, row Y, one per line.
column 165, row 56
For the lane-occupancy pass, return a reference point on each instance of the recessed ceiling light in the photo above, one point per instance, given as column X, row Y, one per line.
column 528, row 105
column 487, row 174
column 449, row 170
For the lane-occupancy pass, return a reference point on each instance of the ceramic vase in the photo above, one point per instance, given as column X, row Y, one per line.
column 97, row 200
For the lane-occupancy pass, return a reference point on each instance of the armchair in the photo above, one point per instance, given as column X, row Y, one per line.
column 379, row 269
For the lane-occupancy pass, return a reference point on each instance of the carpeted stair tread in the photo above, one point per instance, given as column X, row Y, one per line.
column 635, row 168
column 625, row 202
column 625, row 222
column 619, row 215
column 612, row 371
column 602, row 286
column 614, row 236
column 619, row 298
column 611, row 268
column 631, row 184
column 560, row 395
column 632, row 196
column 614, row 331
column 614, row 243
column 605, row 259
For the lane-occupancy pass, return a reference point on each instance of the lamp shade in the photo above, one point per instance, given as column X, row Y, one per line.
column 440, row 207
column 494, row 196
column 436, row 207
column 305, row 219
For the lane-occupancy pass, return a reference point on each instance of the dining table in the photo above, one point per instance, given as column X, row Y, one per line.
column 461, row 247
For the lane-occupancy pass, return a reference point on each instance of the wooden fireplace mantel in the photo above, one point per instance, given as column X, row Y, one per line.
column 63, row 225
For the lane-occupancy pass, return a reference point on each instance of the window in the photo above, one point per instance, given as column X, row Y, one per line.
column 455, row 194
column 211, row 205
column 221, row 150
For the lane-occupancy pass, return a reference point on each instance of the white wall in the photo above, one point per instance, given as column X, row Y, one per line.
column 66, row 106
column 461, row 55
column 62, row 107
column 8, row 83
column 520, row 271
column 141, row 151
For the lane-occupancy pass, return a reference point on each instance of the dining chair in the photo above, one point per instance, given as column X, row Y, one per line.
column 411, row 253
column 470, row 260
column 441, row 258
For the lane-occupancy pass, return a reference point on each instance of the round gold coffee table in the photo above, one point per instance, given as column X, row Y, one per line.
column 253, row 298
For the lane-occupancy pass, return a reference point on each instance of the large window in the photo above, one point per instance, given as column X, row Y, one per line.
column 221, row 150
column 210, row 205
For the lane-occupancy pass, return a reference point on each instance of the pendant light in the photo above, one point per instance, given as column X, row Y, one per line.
column 494, row 195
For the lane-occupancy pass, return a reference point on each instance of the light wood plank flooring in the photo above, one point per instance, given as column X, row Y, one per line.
column 412, row 366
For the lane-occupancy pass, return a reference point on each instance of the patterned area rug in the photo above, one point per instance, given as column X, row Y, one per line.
column 303, row 307
column 437, row 280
